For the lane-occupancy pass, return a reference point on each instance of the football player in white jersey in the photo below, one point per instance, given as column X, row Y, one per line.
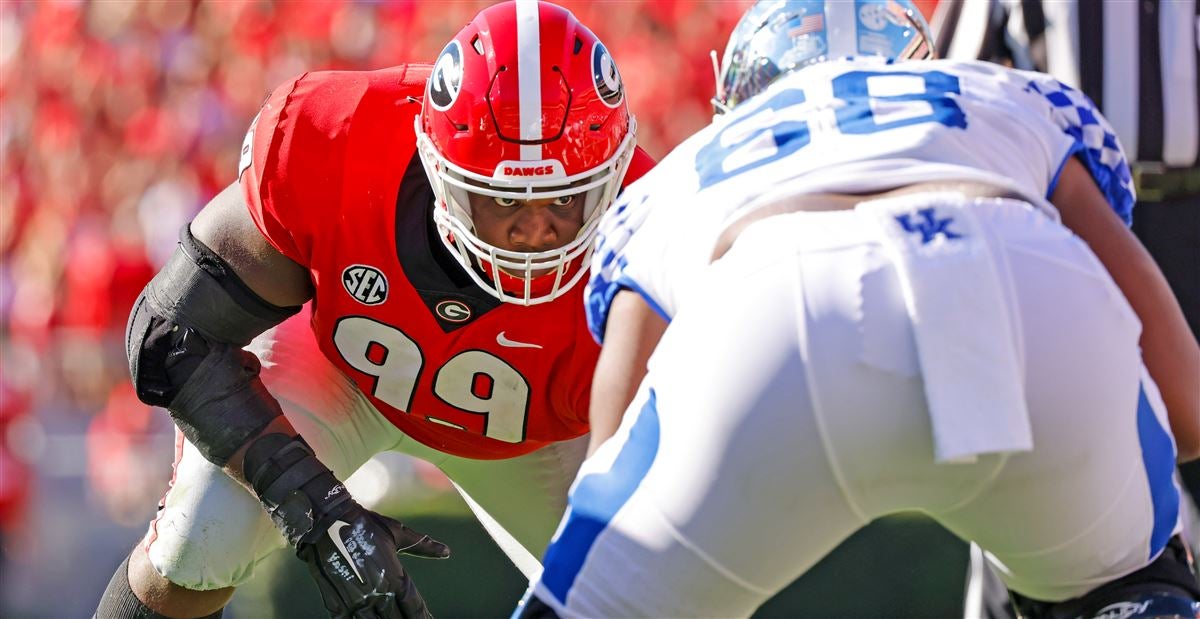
column 872, row 286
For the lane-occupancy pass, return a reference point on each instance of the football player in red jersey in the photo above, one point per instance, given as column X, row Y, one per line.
column 439, row 218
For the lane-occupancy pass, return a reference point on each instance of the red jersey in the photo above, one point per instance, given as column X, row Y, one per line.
column 331, row 175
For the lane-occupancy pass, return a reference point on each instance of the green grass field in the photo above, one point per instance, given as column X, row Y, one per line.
column 904, row 566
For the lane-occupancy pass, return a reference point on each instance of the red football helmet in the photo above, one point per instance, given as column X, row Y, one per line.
column 524, row 103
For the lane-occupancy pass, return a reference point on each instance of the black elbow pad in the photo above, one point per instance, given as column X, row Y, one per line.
column 148, row 341
column 198, row 289
column 195, row 291
column 184, row 340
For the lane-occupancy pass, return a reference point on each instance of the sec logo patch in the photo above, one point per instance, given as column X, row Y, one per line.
column 365, row 283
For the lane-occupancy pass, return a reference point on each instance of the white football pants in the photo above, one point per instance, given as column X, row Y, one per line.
column 785, row 408
column 212, row 531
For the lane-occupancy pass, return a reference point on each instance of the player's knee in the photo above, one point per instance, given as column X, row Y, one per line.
column 138, row 591
column 169, row 566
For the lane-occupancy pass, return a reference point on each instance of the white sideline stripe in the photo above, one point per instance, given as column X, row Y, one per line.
column 973, row 600
column 529, row 565
column 529, row 77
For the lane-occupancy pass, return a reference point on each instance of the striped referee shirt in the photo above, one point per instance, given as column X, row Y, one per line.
column 1136, row 59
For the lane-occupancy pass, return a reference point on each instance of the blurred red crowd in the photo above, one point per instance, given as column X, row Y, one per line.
column 118, row 120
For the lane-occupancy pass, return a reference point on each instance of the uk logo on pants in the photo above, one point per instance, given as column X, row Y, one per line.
column 929, row 225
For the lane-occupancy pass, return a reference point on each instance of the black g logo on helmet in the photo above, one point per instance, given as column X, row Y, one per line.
column 605, row 77
column 446, row 79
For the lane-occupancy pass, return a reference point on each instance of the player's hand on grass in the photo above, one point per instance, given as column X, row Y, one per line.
column 351, row 552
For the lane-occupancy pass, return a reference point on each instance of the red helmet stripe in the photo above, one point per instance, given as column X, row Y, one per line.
column 529, row 77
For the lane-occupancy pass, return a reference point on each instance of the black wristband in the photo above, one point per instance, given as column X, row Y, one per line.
column 300, row 493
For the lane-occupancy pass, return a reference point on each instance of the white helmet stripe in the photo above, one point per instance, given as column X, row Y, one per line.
column 841, row 25
column 529, row 77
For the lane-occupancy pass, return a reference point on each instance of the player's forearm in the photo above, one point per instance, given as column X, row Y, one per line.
column 226, row 412
column 1173, row 360
column 1169, row 351
column 632, row 332
column 235, row 466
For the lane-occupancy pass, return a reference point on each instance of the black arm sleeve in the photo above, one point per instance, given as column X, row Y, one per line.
column 184, row 342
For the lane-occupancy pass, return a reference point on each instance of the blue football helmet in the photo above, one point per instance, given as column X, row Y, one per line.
column 777, row 36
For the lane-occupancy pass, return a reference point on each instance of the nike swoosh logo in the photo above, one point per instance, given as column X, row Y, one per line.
column 341, row 546
column 503, row 341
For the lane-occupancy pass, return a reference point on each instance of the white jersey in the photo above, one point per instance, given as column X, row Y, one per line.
column 851, row 126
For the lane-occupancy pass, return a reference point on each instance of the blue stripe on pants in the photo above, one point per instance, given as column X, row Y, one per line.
column 1158, row 456
column 596, row 499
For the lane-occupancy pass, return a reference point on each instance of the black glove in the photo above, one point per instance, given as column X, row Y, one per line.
column 356, row 565
column 351, row 552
